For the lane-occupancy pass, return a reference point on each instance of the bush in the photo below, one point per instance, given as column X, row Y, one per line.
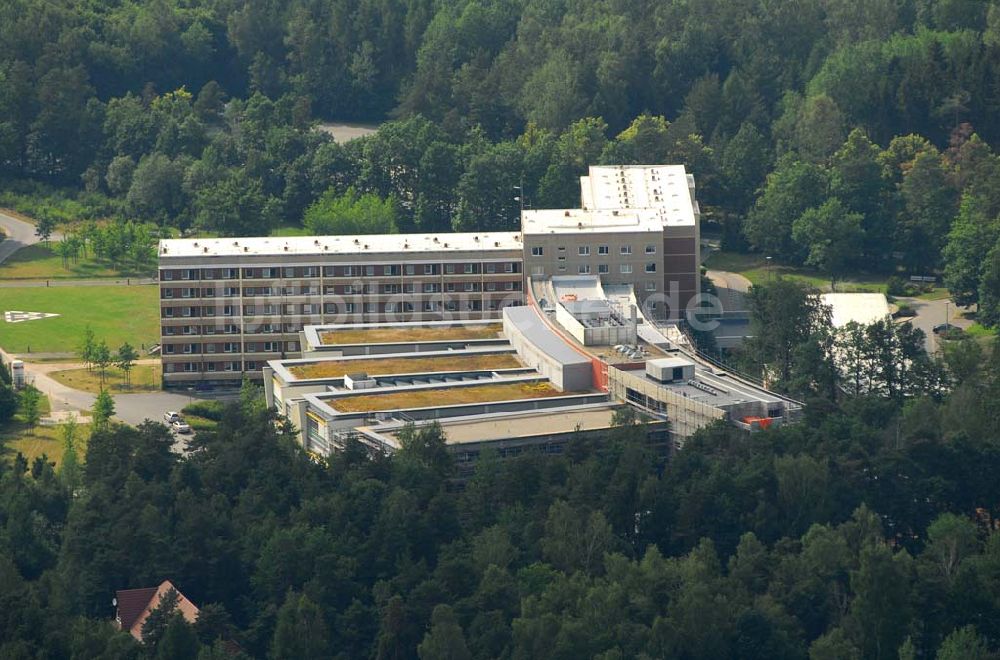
column 954, row 334
column 210, row 410
column 896, row 286
column 904, row 309
column 200, row 423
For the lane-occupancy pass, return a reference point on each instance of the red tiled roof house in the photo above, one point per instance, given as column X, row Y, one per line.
column 134, row 606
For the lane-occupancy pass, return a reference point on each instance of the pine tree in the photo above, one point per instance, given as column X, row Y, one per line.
column 158, row 619
column 445, row 640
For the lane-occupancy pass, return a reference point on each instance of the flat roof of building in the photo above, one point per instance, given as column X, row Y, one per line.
column 600, row 221
column 533, row 328
column 340, row 245
column 406, row 332
column 413, row 363
column 433, row 397
column 862, row 308
column 712, row 389
column 636, row 187
column 520, row 425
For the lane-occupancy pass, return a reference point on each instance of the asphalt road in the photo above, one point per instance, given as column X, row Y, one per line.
column 931, row 313
column 129, row 408
column 732, row 289
column 19, row 234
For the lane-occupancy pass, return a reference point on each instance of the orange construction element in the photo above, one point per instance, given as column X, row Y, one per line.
column 762, row 422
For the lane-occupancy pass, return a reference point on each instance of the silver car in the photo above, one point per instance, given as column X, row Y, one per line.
column 180, row 426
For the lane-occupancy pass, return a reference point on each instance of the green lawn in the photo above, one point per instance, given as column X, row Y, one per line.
column 144, row 378
column 46, row 440
column 17, row 437
column 755, row 268
column 289, row 230
column 40, row 262
column 115, row 313
column 976, row 330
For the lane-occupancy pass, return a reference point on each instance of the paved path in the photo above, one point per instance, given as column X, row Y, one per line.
column 19, row 234
column 124, row 281
column 732, row 289
column 129, row 408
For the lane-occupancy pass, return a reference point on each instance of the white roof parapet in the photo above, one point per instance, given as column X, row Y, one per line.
column 346, row 245
column 629, row 198
column 638, row 187
column 575, row 221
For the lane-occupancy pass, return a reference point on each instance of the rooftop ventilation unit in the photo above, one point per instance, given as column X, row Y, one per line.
column 670, row 370
column 359, row 381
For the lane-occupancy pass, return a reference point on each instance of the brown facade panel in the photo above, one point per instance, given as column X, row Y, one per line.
column 680, row 246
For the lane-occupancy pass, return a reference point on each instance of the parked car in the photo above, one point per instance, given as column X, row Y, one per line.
column 180, row 426
column 944, row 328
column 170, row 416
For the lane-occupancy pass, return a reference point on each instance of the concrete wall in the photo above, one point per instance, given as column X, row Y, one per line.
column 575, row 376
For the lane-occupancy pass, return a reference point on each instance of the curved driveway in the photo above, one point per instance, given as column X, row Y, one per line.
column 732, row 289
column 19, row 234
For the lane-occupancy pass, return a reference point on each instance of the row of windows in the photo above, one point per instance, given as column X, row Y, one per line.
column 308, row 308
column 230, row 329
column 602, row 250
column 315, row 308
column 343, row 289
column 207, row 367
column 603, row 269
column 230, row 347
column 339, row 271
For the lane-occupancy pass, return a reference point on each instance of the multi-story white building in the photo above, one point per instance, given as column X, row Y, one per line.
column 637, row 225
column 227, row 305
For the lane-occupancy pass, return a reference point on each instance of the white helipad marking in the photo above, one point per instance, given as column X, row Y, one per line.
column 21, row 317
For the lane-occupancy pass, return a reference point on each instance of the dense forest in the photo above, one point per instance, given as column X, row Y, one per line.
column 839, row 135
column 868, row 531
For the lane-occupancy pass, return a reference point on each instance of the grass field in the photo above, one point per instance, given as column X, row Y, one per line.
column 42, row 440
column 145, row 378
column 32, row 443
column 115, row 313
column 416, row 334
column 289, row 230
column 40, row 262
column 377, row 366
column 755, row 268
column 447, row 396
